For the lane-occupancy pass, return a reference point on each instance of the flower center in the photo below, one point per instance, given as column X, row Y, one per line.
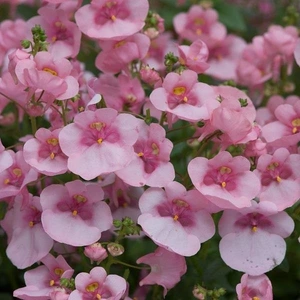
column 180, row 90
column 92, row 287
column 296, row 124
column 54, row 73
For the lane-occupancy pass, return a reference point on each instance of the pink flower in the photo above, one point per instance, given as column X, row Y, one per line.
column 175, row 219
column 280, row 177
column 42, row 281
column 185, row 97
column 63, row 35
column 97, row 285
column 166, row 268
column 122, row 93
column 6, row 159
column 151, row 165
column 47, row 73
column 99, row 142
column 105, row 19
column 116, row 55
column 28, row 242
column 254, row 287
column 194, row 57
column 95, row 252
column 252, row 238
column 43, row 153
column 225, row 180
column 74, row 214
column 200, row 23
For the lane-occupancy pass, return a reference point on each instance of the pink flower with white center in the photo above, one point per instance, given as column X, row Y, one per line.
column 280, row 177
column 17, row 176
column 224, row 57
column 122, row 93
column 200, row 23
column 185, row 97
column 166, row 268
column 6, row 159
column 63, row 35
column 75, row 214
column 253, row 238
column 175, row 219
column 43, row 153
column 117, row 55
column 99, row 142
column 43, row 280
column 28, row 242
column 225, row 180
column 194, row 57
column 105, row 19
column 151, row 164
column 254, row 288
column 286, row 129
column 97, row 285
column 48, row 73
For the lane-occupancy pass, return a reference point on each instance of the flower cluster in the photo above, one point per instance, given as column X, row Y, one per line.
column 139, row 159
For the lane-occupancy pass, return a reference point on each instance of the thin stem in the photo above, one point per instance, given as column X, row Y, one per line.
column 130, row 266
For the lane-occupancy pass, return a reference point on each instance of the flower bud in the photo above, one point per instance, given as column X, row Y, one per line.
column 95, row 252
column 149, row 75
column 59, row 294
column 115, row 249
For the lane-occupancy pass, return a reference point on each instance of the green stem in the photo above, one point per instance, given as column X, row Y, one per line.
column 130, row 266
column 64, row 117
column 33, row 124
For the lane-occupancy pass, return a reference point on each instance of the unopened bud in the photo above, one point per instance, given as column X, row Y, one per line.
column 115, row 249
column 95, row 252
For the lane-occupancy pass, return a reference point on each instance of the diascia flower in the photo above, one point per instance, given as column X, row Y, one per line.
column 253, row 238
column 175, row 219
column 105, row 19
column 99, row 142
column 75, row 214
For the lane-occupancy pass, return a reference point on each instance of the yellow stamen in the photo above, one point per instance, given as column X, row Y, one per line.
column 119, row 44
column 179, row 90
column 80, row 198
column 52, row 282
column 272, row 166
column 296, row 122
column 81, row 109
column 97, row 125
column 113, row 17
column 225, row 170
column 74, row 213
column 99, row 141
column 254, row 228
column 31, row 224
column 155, row 149
column 58, row 271
column 223, row 184
column 50, row 71
column 131, row 98
column 98, row 296
column 278, row 178
column 185, row 99
column 294, row 130
column 180, row 203
column 6, row 181
column 255, row 298
column 198, row 21
column 52, row 155
column 199, row 31
column 140, row 154
column 175, row 218
column 54, row 38
column 92, row 287
column 52, row 141
column 17, row 172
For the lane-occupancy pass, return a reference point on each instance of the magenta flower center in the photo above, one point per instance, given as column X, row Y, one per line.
column 275, row 172
column 149, row 153
column 14, row 176
column 254, row 221
column 50, row 149
column 32, row 216
column 223, row 177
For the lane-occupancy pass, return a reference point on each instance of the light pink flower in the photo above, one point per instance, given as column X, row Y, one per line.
column 99, row 142
column 194, row 57
column 43, row 280
column 75, row 214
column 97, row 285
column 105, row 19
column 183, row 96
column 6, row 159
column 280, row 178
column 254, row 287
column 166, row 268
column 28, row 242
column 151, row 164
column 200, row 23
column 63, row 35
column 95, row 252
column 175, row 219
column 43, row 153
column 116, row 55
column 225, row 180
column 253, row 238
